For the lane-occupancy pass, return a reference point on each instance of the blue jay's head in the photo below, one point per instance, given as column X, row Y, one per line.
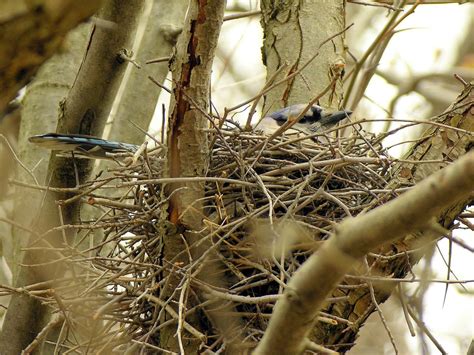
column 315, row 119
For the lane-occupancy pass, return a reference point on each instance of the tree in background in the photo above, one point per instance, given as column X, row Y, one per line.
column 154, row 255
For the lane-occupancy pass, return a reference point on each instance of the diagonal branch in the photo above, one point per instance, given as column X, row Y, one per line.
column 295, row 314
column 31, row 32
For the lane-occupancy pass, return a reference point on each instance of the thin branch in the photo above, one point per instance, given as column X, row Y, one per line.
column 425, row 330
column 242, row 15
column 18, row 159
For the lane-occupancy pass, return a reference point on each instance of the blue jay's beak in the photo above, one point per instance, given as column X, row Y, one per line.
column 83, row 146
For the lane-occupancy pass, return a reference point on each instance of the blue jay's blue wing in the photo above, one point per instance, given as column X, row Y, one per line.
column 82, row 145
column 315, row 119
column 293, row 111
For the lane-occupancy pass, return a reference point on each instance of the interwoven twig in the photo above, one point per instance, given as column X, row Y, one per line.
column 268, row 206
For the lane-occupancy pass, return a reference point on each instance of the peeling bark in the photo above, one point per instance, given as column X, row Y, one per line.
column 188, row 148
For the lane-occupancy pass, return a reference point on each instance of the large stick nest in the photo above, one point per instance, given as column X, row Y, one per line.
column 268, row 205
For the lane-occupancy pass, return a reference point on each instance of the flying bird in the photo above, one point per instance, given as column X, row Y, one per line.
column 314, row 120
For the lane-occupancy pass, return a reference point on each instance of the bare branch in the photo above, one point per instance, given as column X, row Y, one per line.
column 295, row 313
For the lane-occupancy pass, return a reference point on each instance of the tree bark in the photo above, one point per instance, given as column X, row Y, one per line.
column 51, row 84
column 88, row 104
column 293, row 32
column 42, row 98
column 138, row 101
column 188, row 148
column 84, row 111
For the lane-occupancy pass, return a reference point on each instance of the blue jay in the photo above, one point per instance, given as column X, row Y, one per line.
column 315, row 119
column 83, row 146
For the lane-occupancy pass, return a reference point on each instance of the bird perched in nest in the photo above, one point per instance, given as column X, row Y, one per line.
column 314, row 120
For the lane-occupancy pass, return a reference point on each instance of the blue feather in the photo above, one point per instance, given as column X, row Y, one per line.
column 88, row 146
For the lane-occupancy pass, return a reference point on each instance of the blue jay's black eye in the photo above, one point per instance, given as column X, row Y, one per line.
column 316, row 113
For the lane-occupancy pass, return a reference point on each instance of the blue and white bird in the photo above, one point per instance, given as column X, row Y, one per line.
column 315, row 119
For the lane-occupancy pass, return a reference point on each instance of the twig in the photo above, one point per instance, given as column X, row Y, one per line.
column 425, row 330
column 242, row 15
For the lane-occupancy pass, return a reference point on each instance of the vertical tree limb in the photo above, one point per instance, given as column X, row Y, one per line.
column 140, row 95
column 188, row 148
column 85, row 111
column 293, row 30
column 40, row 106
column 87, row 107
column 39, row 114
column 90, row 100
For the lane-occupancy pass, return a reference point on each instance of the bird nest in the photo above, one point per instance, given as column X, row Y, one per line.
column 268, row 205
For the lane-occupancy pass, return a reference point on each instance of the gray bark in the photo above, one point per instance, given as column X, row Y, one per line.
column 39, row 115
column 293, row 32
column 140, row 95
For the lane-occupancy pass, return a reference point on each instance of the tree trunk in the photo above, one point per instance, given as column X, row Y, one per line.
column 294, row 33
column 85, row 111
column 188, row 148
column 41, row 101
column 138, row 100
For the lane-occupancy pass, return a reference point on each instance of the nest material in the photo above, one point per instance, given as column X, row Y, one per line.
column 268, row 204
